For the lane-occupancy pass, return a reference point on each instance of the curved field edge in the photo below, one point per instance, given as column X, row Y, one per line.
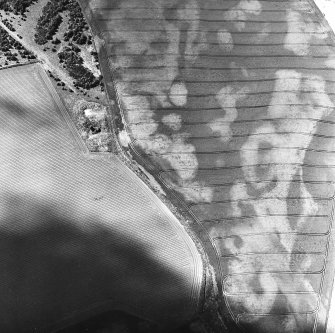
column 326, row 314
column 197, row 261
column 62, row 113
column 213, row 307
column 139, row 159
column 210, row 299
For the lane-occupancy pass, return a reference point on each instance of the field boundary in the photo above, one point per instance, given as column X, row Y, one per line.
column 329, row 322
column 63, row 112
column 195, row 269
column 139, row 157
column 129, row 158
column 32, row 62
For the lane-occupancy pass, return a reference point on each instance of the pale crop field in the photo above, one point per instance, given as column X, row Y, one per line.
column 230, row 105
column 327, row 8
column 80, row 233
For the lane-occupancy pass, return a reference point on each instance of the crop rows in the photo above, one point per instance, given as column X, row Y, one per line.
column 230, row 106
column 84, row 232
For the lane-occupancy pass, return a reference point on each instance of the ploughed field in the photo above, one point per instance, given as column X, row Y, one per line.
column 80, row 233
column 230, row 105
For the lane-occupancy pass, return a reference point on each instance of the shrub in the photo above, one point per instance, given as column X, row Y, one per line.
column 50, row 20
column 73, row 62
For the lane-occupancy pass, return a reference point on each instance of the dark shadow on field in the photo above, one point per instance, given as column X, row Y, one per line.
column 56, row 271
column 259, row 329
column 272, row 64
column 120, row 322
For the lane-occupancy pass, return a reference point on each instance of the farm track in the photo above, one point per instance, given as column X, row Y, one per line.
column 81, row 234
column 230, row 106
column 41, row 56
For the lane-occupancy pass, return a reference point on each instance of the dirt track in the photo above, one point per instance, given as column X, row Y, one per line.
column 230, row 106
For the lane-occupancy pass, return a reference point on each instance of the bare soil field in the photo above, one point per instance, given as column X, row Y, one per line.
column 229, row 105
column 80, row 233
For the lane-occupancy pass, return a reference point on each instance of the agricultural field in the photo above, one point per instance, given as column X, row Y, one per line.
column 229, row 105
column 81, row 234
column 12, row 52
column 56, row 34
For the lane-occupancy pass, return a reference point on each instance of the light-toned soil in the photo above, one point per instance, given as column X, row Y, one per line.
column 4, row 61
column 27, row 30
column 327, row 7
column 230, row 106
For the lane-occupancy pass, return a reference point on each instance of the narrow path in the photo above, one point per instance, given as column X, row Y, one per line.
column 43, row 58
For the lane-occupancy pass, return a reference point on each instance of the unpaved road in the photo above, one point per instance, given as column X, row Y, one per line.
column 230, row 105
column 42, row 57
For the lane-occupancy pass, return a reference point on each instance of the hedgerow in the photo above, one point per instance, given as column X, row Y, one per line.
column 16, row 6
column 8, row 44
column 73, row 63
column 51, row 19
